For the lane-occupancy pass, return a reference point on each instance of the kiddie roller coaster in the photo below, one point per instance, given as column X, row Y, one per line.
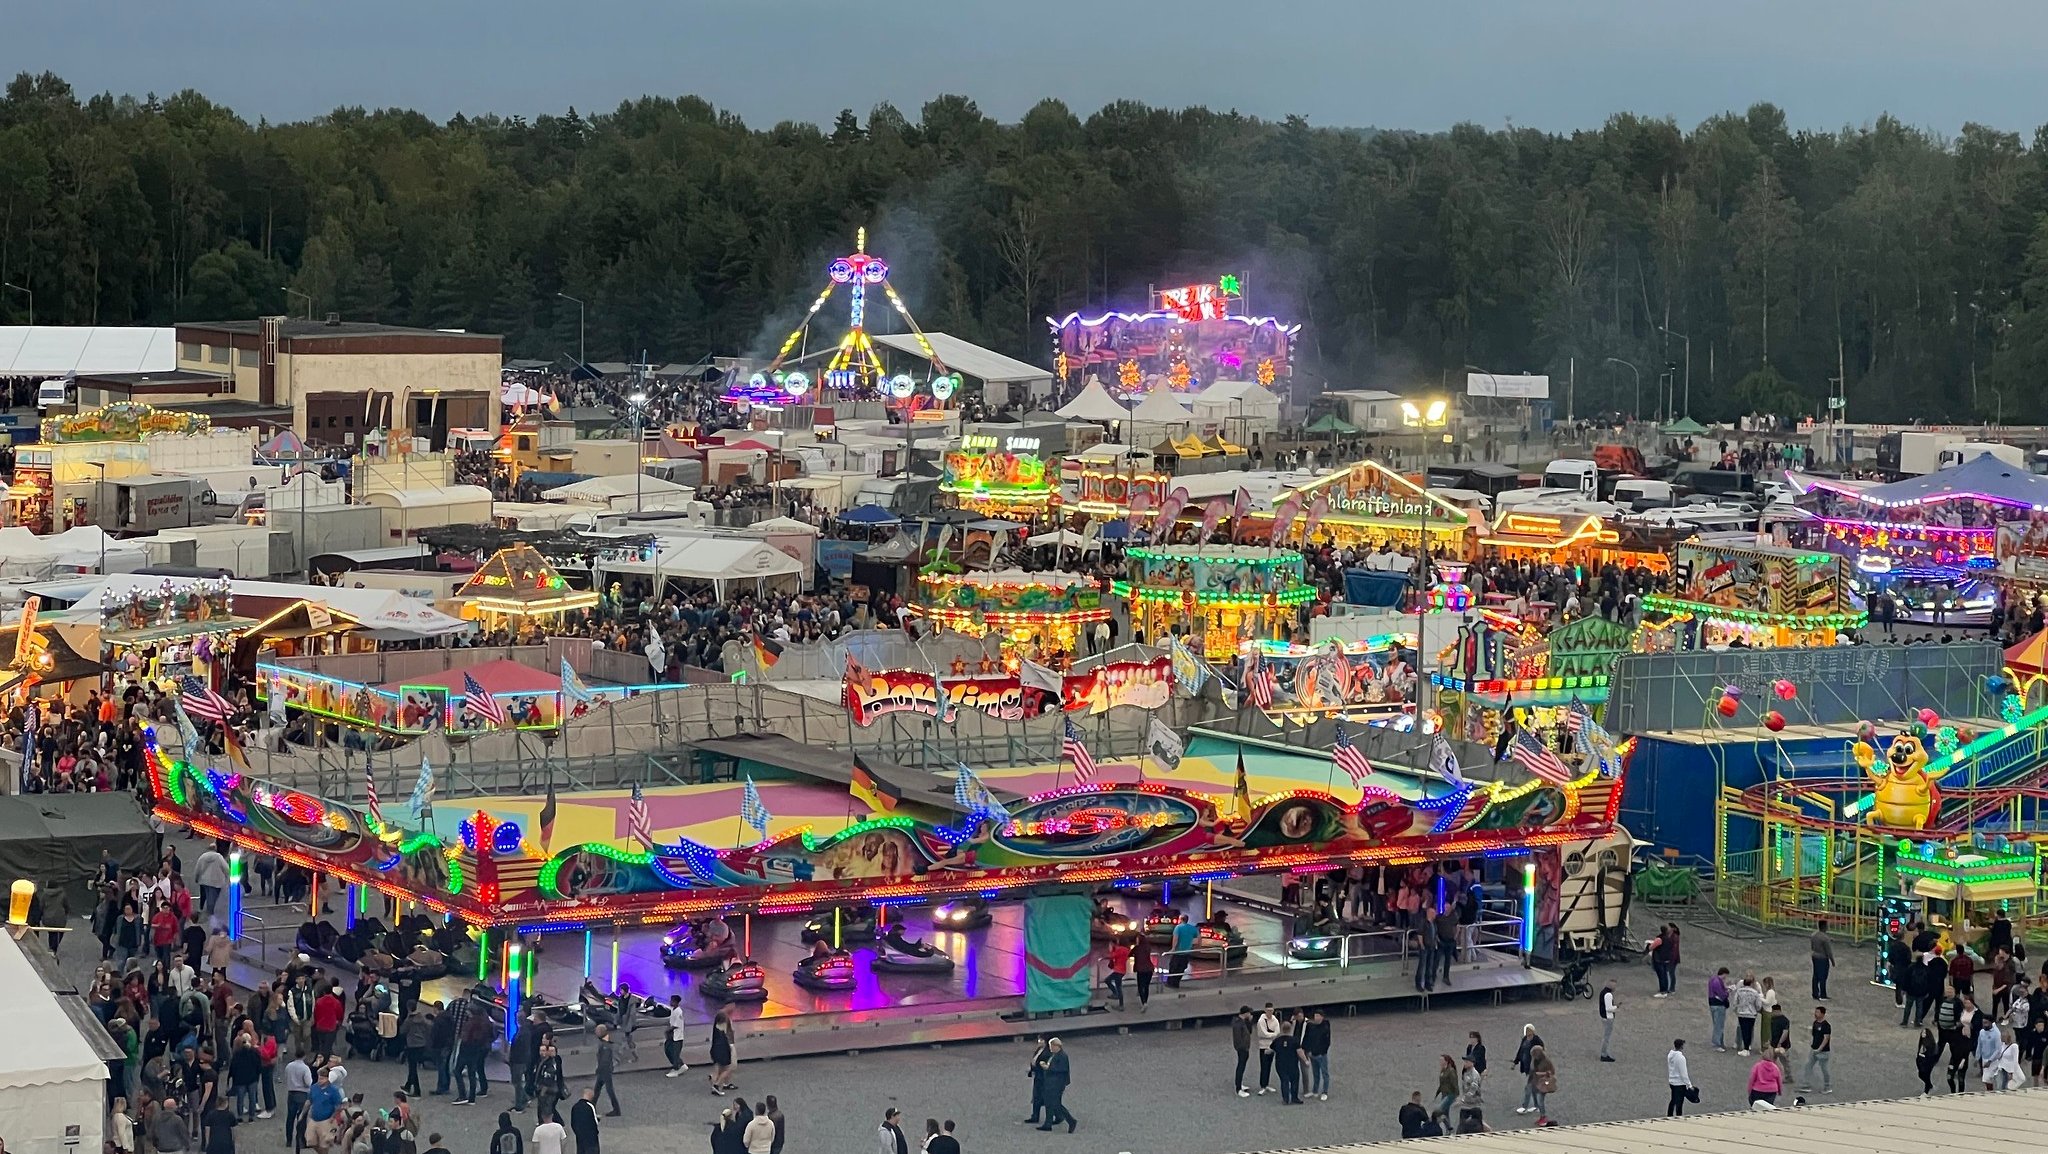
column 1933, row 820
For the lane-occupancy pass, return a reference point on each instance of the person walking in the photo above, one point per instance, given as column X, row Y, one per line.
column 1240, row 1040
column 1264, row 1029
column 549, row 1082
column 1471, row 1089
column 1766, row 1080
column 722, row 1057
column 607, row 1066
column 1037, row 1071
column 1717, row 1008
column 1679, row 1077
column 506, row 1139
column 1823, row 950
column 1446, row 1084
column 1141, row 968
column 1820, row 1052
column 1607, row 1005
column 1542, row 1083
column 521, row 1055
column 1523, row 1049
column 1287, row 1059
column 1184, row 934
column 1422, row 941
column 1315, row 1042
column 673, row 1037
column 1748, row 1004
column 1119, row 962
column 1925, row 1057
column 583, row 1122
column 1948, row 1025
column 1446, row 922
column 1475, row 1049
column 1058, row 1073
column 2011, row 1074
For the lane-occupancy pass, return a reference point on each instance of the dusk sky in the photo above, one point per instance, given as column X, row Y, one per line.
column 1553, row 64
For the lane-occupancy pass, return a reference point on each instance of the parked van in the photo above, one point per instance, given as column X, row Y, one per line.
column 1637, row 494
column 52, row 393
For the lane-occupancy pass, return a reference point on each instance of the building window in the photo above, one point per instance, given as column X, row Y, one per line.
column 246, row 358
column 218, row 354
column 188, row 351
column 348, row 422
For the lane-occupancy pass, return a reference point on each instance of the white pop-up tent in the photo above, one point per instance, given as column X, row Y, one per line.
column 716, row 561
column 1160, row 414
column 52, row 1078
column 1239, row 407
column 1094, row 404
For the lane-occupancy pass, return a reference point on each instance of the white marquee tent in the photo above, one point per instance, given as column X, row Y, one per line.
column 716, row 561
column 606, row 491
column 51, row 1078
column 1160, row 414
column 54, row 350
column 1238, row 406
column 1094, row 404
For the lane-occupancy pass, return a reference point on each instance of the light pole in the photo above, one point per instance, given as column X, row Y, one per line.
column 637, row 405
column 290, row 292
column 1635, row 412
column 1434, row 416
column 1688, row 365
column 99, row 495
column 581, row 358
column 31, row 300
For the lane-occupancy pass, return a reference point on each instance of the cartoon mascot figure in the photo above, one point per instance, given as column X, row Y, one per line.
column 1906, row 796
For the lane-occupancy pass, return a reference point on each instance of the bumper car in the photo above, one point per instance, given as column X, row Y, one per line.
column 1109, row 924
column 962, row 914
column 737, row 981
column 1130, row 890
column 1211, row 936
column 855, row 923
column 1315, row 947
column 897, row 954
column 424, row 964
column 1158, row 924
column 693, row 947
column 318, row 939
column 831, row 971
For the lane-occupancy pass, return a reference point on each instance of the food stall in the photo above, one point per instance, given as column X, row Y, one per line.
column 1215, row 595
column 1042, row 617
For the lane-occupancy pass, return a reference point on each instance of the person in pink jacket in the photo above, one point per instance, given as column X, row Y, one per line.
column 1766, row 1078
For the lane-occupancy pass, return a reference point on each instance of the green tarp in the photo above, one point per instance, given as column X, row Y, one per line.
column 1662, row 883
column 56, row 838
column 1057, row 970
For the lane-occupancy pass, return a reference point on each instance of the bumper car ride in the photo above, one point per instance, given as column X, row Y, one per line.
column 962, row 914
column 1210, row 938
column 1108, row 925
column 897, row 955
column 855, row 923
column 1315, row 948
column 1158, row 924
column 685, row 948
column 741, row 981
column 834, row 971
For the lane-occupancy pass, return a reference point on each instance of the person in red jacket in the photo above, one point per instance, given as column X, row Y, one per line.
column 327, row 1015
column 163, row 932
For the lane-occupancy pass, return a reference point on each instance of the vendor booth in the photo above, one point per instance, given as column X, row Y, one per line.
column 998, row 477
column 519, row 590
column 160, row 633
column 1371, row 504
column 1570, row 539
column 1042, row 617
column 1754, row 595
column 1214, row 595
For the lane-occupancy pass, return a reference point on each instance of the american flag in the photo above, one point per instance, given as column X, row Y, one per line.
column 1261, row 684
column 1576, row 717
column 1348, row 759
column 752, row 811
column 202, row 700
column 1539, row 759
column 1073, row 750
column 637, row 827
column 479, row 701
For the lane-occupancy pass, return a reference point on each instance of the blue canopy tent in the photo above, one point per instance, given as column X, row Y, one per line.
column 869, row 515
column 1982, row 478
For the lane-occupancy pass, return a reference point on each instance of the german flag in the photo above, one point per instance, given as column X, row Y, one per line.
column 878, row 795
column 767, row 650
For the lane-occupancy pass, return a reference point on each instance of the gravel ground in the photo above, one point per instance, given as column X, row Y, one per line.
column 1162, row 1089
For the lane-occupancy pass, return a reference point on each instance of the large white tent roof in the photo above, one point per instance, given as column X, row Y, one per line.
column 603, row 490
column 378, row 609
column 1094, row 404
column 48, row 1048
column 968, row 358
column 713, row 559
column 54, row 350
column 1162, row 407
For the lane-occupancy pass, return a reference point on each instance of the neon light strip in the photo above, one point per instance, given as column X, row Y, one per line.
column 1075, row 318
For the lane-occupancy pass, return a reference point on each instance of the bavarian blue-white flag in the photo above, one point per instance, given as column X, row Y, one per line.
column 422, row 799
column 974, row 797
column 752, row 811
column 573, row 688
column 1189, row 671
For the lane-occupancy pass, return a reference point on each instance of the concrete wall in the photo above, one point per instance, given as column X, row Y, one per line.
column 403, row 375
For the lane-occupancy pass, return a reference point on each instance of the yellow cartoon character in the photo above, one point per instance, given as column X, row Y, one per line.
column 1906, row 796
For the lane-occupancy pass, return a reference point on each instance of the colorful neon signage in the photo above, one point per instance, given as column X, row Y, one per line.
column 999, row 695
column 1141, row 684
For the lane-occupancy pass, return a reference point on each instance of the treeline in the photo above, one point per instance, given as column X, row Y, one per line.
column 1911, row 268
